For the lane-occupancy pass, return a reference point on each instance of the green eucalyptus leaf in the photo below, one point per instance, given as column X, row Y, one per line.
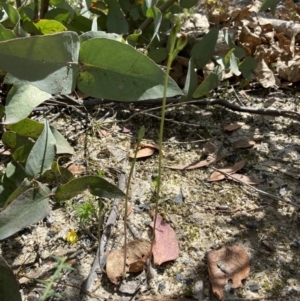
column 204, row 49
column 26, row 128
column 21, row 154
column 59, row 14
column 16, row 137
column 116, row 21
column 210, row 82
column 6, row 34
column 29, row 207
column 21, row 100
column 110, row 76
column 62, row 145
column 79, row 24
column 49, row 26
column 239, row 52
column 188, row 3
column 156, row 15
column 158, row 55
column 247, row 67
column 99, row 34
column 234, row 61
column 9, row 184
column 48, row 62
column 9, row 288
column 96, row 185
column 133, row 38
column 13, row 16
column 57, row 174
column 13, row 141
column 42, row 154
column 269, row 4
column 25, row 185
column 191, row 80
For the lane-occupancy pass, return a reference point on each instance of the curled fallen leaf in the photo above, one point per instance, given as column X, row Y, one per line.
column 146, row 150
column 233, row 126
column 137, row 253
column 229, row 262
column 243, row 144
column 210, row 160
column 217, row 176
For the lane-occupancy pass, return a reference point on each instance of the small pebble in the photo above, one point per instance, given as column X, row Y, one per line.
column 144, row 207
column 295, row 244
column 179, row 277
column 198, row 290
column 51, row 233
column 178, row 199
column 161, row 286
column 254, row 287
column 251, row 225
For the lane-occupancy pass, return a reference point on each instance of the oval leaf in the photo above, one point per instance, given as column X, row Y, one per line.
column 29, row 207
column 9, row 289
column 21, row 100
column 128, row 75
column 97, row 186
column 51, row 71
column 42, row 154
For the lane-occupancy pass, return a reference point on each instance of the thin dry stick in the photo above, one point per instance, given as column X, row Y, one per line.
column 272, row 196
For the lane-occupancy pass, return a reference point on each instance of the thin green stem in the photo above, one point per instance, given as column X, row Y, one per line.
column 161, row 135
column 140, row 136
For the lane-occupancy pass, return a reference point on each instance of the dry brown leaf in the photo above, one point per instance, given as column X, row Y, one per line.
column 148, row 145
column 143, row 153
column 289, row 70
column 243, row 144
column 230, row 262
column 76, row 169
column 233, row 126
column 265, row 75
column 246, row 179
column 217, row 176
column 165, row 247
column 206, row 162
column 209, row 147
column 137, row 253
column 103, row 133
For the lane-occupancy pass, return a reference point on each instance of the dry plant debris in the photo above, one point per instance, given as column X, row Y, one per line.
column 136, row 256
column 165, row 247
column 228, row 263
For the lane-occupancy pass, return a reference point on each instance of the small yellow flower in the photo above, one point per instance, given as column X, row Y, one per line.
column 72, row 237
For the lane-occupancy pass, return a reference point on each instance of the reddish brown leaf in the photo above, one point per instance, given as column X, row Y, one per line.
column 165, row 246
column 246, row 179
column 137, row 253
column 233, row 126
column 242, row 144
column 217, row 176
column 208, row 161
column 230, row 262
column 143, row 153
column 209, row 147
column 148, row 145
